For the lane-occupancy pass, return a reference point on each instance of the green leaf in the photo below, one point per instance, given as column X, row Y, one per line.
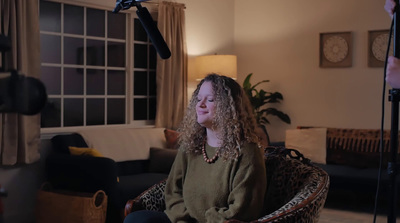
column 246, row 82
column 274, row 97
column 260, row 83
column 273, row 111
column 259, row 99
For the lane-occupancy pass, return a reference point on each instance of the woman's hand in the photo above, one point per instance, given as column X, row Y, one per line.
column 389, row 7
column 393, row 72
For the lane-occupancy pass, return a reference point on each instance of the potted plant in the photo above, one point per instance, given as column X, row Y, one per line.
column 259, row 99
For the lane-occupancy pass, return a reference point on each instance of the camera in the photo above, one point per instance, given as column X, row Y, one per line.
column 18, row 93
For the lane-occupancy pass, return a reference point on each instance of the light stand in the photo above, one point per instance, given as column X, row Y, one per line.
column 394, row 133
column 392, row 164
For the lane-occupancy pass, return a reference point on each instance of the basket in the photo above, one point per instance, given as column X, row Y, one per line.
column 67, row 206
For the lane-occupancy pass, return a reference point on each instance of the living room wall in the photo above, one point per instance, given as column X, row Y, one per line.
column 209, row 30
column 279, row 41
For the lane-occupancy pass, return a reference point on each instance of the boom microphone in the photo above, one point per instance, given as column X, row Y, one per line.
column 153, row 32
column 122, row 4
column 149, row 25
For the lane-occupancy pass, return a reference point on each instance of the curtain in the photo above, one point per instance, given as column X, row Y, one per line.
column 19, row 134
column 172, row 72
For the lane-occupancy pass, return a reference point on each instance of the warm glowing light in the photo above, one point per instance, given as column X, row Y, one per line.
column 219, row 64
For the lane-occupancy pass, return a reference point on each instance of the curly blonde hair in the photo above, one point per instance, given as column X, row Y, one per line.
column 234, row 118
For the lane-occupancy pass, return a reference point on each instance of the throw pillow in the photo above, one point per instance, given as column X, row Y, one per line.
column 84, row 151
column 171, row 136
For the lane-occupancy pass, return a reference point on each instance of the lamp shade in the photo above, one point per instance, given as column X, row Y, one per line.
column 220, row 64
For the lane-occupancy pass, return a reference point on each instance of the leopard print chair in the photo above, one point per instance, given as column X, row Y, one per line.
column 296, row 190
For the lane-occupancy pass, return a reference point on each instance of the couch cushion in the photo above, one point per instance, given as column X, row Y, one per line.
column 161, row 160
column 350, row 172
column 132, row 167
column 356, row 159
column 124, row 144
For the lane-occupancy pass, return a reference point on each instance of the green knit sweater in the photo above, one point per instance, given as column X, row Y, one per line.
column 197, row 191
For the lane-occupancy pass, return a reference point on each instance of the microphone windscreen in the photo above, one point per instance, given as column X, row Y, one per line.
column 153, row 33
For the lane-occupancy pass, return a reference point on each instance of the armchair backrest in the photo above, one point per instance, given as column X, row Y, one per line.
column 296, row 189
column 285, row 177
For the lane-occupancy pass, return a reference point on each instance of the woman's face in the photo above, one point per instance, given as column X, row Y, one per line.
column 205, row 107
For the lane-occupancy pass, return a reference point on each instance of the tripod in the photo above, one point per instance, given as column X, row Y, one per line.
column 392, row 164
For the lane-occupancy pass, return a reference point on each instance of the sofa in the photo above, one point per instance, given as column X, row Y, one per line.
column 122, row 162
column 350, row 157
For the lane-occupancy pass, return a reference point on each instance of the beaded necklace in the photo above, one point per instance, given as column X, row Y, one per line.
column 212, row 160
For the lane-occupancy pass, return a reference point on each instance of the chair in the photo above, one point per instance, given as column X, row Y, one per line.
column 296, row 189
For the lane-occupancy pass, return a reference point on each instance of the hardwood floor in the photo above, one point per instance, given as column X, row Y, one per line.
column 353, row 207
column 342, row 216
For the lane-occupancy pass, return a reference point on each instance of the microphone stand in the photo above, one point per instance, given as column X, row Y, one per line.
column 392, row 164
column 394, row 133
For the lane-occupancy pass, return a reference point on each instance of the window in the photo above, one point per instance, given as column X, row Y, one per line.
column 98, row 68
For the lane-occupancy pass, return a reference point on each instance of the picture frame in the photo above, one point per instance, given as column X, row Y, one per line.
column 336, row 49
column 377, row 46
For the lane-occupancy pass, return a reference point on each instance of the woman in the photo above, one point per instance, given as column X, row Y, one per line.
column 219, row 172
column 393, row 63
